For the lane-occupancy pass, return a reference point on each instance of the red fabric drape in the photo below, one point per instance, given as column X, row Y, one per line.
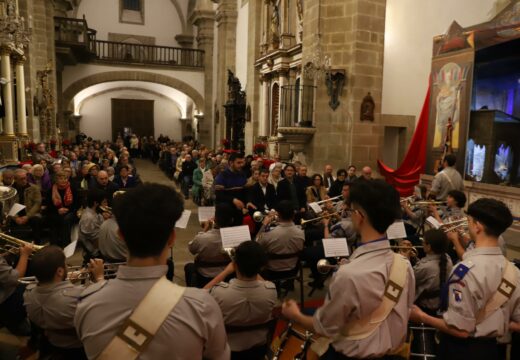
column 408, row 174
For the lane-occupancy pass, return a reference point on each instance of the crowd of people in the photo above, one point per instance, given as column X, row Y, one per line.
column 457, row 282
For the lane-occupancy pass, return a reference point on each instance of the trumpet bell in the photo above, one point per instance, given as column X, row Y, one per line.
column 258, row 216
column 324, row 267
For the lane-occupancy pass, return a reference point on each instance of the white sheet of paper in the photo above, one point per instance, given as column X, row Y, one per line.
column 234, row 236
column 315, row 207
column 15, row 209
column 335, row 247
column 70, row 249
column 396, row 231
column 206, row 213
column 433, row 222
column 182, row 223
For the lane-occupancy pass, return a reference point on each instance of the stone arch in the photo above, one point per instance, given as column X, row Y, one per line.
column 76, row 87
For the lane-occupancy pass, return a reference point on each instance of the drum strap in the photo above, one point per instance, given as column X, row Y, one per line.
column 140, row 328
column 502, row 295
column 362, row 328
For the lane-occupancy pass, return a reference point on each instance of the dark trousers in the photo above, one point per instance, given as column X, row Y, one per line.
column 452, row 348
column 61, row 228
column 255, row 353
column 185, row 185
column 12, row 311
column 34, row 225
column 193, row 278
column 332, row 354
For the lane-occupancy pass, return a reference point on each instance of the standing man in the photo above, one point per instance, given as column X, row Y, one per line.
column 229, row 187
column 188, row 167
column 365, row 314
column 482, row 296
column 328, row 178
column 446, row 180
column 140, row 314
column 290, row 189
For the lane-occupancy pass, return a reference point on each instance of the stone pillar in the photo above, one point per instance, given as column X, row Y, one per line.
column 20, row 98
column 203, row 17
column 7, row 92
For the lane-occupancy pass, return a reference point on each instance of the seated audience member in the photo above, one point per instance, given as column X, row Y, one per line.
column 247, row 302
column 90, row 222
column 192, row 327
column 328, row 178
column 337, row 185
column 41, row 153
column 289, row 189
column 7, row 177
column 351, row 174
column 111, row 247
column 125, row 180
column 28, row 195
column 262, row 195
column 12, row 311
column 52, row 303
column 198, row 173
column 111, row 173
column 316, row 192
column 41, row 178
column 102, row 183
column 283, row 243
column 302, row 178
column 275, row 176
column 208, row 184
column 210, row 260
column 61, row 210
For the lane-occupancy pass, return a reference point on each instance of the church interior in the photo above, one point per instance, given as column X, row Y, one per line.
column 223, row 100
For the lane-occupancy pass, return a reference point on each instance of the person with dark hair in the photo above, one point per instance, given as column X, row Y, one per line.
column 206, row 247
column 374, row 281
column 455, row 201
column 351, row 174
column 337, row 185
column 289, row 189
column 90, row 223
column 182, row 322
column 317, row 191
column 188, row 167
column 125, row 180
column 283, row 243
column 447, row 179
column 247, row 302
column 481, row 300
column 301, row 176
column 52, row 303
column 431, row 272
column 262, row 195
column 230, row 187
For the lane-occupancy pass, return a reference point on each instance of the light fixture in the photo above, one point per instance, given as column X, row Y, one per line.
column 319, row 65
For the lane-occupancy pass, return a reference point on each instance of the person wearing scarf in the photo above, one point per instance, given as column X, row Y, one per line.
column 62, row 207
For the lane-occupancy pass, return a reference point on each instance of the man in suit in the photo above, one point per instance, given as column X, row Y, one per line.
column 290, row 189
column 328, row 178
column 262, row 195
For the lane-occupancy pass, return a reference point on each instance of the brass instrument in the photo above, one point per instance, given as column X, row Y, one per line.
column 79, row 273
column 303, row 221
column 11, row 244
column 333, row 199
column 259, row 216
column 455, row 225
column 424, row 203
column 407, row 200
column 105, row 209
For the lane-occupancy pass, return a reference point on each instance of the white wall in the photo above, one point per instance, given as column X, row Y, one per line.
column 96, row 114
column 161, row 19
column 410, row 28
column 241, row 45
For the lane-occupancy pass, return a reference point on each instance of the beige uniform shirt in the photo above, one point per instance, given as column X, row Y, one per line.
column 445, row 181
column 469, row 295
column 246, row 303
column 207, row 247
column 8, row 279
column 355, row 292
column 194, row 329
column 110, row 245
column 286, row 238
column 427, row 280
column 52, row 308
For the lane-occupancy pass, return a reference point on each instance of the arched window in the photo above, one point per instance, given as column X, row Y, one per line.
column 275, row 108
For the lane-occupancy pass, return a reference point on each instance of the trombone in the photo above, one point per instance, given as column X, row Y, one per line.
column 303, row 221
column 333, row 199
column 11, row 244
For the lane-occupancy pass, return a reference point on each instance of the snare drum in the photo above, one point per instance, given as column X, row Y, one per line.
column 424, row 345
column 294, row 343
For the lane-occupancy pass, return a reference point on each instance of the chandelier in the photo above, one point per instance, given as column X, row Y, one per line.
column 13, row 32
column 320, row 64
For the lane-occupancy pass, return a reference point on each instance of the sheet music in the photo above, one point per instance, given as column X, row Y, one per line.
column 433, row 222
column 70, row 249
column 15, row 209
column 335, row 247
column 315, row 207
column 206, row 213
column 396, row 231
column 234, row 236
column 182, row 223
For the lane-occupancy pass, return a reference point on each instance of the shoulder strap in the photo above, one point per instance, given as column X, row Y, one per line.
column 448, row 178
column 144, row 322
column 502, row 295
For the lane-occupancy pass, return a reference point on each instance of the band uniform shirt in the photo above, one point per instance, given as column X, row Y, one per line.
column 355, row 292
column 246, row 303
column 427, row 280
column 207, row 247
column 52, row 308
column 8, row 279
column 285, row 238
column 110, row 245
column 446, row 180
column 469, row 295
column 89, row 225
column 193, row 330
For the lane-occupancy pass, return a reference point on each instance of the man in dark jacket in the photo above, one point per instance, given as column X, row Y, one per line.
column 103, row 183
column 262, row 195
column 229, row 187
column 188, row 167
column 290, row 189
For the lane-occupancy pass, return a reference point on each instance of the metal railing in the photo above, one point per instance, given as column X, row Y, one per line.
column 297, row 106
column 69, row 31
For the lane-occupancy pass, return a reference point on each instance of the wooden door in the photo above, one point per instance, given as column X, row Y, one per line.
column 135, row 114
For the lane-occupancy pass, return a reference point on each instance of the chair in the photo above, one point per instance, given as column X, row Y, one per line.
column 279, row 277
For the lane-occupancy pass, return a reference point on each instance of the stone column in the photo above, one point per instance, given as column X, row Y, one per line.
column 20, row 98
column 203, row 17
column 7, row 92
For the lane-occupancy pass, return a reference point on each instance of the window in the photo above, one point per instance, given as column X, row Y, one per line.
column 131, row 11
column 134, row 5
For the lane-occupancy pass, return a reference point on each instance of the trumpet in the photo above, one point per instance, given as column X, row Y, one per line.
column 424, row 203
column 303, row 221
column 333, row 199
column 455, row 225
column 407, row 200
column 79, row 274
column 105, row 209
column 11, row 244
column 259, row 216
column 324, row 266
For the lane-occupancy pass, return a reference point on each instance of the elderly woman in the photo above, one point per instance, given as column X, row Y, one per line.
column 316, row 192
column 41, row 178
column 275, row 175
column 208, row 185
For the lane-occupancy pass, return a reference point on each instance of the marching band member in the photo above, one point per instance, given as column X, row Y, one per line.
column 481, row 297
column 358, row 287
column 111, row 247
column 246, row 302
column 431, row 272
column 455, row 202
column 446, row 180
column 90, row 223
column 181, row 323
column 52, row 303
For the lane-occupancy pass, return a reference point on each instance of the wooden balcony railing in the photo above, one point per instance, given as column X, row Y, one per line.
column 69, row 31
column 113, row 51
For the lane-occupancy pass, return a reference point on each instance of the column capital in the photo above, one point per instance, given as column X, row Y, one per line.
column 5, row 50
column 19, row 59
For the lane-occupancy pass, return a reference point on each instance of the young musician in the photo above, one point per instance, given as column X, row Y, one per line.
column 482, row 296
column 368, row 283
column 180, row 323
column 446, row 180
column 229, row 187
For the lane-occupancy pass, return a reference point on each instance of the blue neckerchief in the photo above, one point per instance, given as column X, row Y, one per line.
column 359, row 244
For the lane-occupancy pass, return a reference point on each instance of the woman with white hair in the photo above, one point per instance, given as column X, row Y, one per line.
column 275, row 175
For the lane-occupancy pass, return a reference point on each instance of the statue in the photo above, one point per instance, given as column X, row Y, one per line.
column 335, row 83
column 275, row 27
column 367, row 108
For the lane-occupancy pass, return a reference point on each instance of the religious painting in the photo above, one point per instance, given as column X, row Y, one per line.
column 449, row 82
